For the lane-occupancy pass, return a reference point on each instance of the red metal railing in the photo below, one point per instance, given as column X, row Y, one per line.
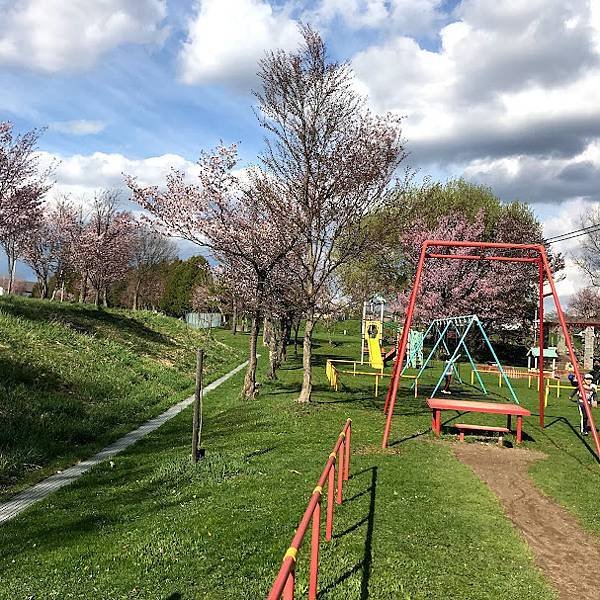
column 339, row 460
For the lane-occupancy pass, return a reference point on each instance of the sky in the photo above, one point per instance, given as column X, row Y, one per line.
column 501, row 92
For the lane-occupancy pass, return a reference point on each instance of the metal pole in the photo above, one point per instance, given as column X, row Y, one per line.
column 400, row 355
column 502, row 374
column 452, row 359
column 474, row 371
column 435, row 346
column 563, row 324
column 541, row 342
column 362, row 333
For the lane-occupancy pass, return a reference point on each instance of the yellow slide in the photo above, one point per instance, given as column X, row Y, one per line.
column 373, row 335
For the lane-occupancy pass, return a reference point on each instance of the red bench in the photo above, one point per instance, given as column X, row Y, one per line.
column 437, row 405
column 462, row 427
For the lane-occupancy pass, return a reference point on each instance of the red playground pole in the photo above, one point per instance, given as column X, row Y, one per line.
column 563, row 324
column 541, row 342
column 402, row 351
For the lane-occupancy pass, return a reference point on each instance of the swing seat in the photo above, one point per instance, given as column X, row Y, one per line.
column 462, row 427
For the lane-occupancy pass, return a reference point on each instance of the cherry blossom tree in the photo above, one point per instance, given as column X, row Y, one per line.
column 40, row 252
column 494, row 290
column 22, row 189
column 330, row 157
column 245, row 223
column 103, row 245
column 585, row 304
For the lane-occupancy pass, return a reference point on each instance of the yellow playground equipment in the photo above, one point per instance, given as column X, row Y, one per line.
column 373, row 335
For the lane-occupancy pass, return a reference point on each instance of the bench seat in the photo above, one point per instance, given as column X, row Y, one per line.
column 462, row 427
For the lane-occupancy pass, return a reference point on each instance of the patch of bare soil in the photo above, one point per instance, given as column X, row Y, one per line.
column 568, row 556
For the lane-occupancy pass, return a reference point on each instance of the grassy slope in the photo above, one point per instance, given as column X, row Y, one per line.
column 74, row 378
column 417, row 523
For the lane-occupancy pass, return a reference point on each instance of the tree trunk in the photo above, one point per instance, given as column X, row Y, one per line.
column 62, row 291
column 12, row 267
column 274, row 350
column 296, row 330
column 104, row 298
column 136, row 294
column 44, row 288
column 306, row 391
column 250, row 389
column 234, row 319
column 97, row 298
column 83, row 288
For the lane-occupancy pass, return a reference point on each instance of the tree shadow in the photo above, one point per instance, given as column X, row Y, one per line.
column 84, row 319
column 365, row 563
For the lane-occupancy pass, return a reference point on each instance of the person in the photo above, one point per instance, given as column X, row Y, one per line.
column 448, row 370
column 590, row 389
column 572, row 380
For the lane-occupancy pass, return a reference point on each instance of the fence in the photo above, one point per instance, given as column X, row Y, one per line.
column 203, row 320
column 333, row 374
column 339, row 460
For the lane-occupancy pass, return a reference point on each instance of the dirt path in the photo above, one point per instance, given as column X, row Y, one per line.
column 562, row 549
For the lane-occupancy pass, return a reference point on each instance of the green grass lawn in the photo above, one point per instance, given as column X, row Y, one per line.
column 416, row 524
column 74, row 378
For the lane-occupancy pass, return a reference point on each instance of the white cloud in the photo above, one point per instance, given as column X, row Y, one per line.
column 59, row 35
column 78, row 127
column 408, row 16
column 566, row 218
column 225, row 40
column 81, row 175
column 512, row 95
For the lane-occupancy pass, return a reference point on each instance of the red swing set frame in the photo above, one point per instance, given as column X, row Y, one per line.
column 541, row 259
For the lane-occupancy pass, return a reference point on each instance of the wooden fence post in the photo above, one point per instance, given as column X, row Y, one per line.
column 197, row 418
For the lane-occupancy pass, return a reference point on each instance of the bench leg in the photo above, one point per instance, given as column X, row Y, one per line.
column 462, row 436
column 509, row 422
column 438, row 421
column 500, row 441
column 519, row 426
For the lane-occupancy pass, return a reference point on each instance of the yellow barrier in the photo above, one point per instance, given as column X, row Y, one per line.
column 333, row 374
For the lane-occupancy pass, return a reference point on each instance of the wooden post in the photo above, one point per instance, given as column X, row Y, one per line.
column 197, row 418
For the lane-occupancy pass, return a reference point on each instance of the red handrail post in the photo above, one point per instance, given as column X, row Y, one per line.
column 288, row 590
column 314, row 553
column 330, row 501
column 347, row 458
column 340, row 469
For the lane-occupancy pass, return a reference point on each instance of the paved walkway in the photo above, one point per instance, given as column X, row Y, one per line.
column 17, row 504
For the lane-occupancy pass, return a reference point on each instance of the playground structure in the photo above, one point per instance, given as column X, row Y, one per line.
column 414, row 357
column 534, row 353
column 372, row 321
column 461, row 326
column 478, row 251
column 372, row 334
column 338, row 461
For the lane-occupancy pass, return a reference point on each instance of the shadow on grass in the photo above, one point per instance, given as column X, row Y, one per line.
column 569, row 426
column 84, row 319
column 364, row 564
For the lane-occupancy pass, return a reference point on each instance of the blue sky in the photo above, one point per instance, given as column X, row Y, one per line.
column 503, row 93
